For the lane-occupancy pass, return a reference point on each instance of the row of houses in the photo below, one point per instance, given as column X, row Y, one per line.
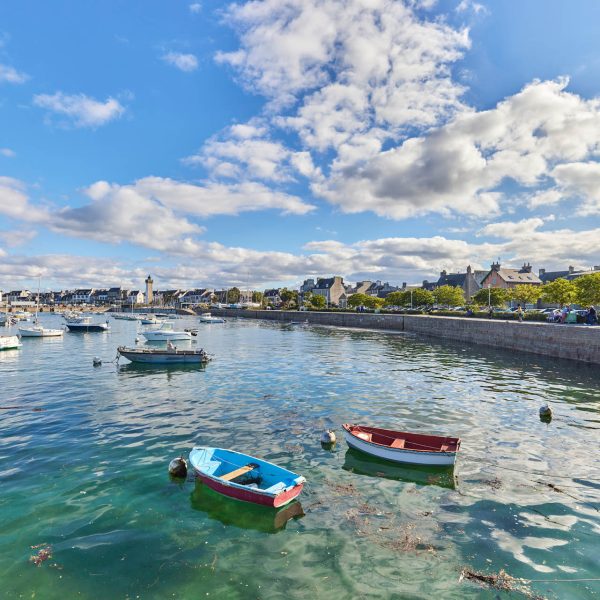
column 116, row 296
column 336, row 293
column 333, row 289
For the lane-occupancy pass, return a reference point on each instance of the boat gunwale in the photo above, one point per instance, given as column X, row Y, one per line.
column 456, row 440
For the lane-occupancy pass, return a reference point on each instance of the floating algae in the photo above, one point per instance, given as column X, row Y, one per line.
column 500, row 581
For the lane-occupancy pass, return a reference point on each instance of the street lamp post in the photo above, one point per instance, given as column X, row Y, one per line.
column 411, row 302
column 489, row 295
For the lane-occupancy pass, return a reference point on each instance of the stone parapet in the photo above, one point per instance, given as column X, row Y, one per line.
column 574, row 342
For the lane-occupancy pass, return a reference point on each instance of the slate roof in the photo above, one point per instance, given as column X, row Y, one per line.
column 453, row 279
column 552, row 275
column 324, row 284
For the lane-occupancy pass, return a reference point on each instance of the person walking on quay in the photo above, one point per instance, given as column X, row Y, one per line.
column 519, row 313
column 592, row 316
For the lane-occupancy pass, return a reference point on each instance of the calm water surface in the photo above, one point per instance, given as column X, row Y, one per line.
column 84, row 454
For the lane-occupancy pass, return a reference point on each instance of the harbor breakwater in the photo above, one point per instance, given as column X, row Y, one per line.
column 574, row 342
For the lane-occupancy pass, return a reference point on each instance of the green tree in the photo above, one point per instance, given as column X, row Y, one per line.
column 560, row 291
column 420, row 297
column 257, row 297
column 287, row 297
column 373, row 302
column 496, row 296
column 395, row 299
column 357, row 300
column 587, row 289
column 318, row 301
column 449, row 295
column 526, row 294
column 233, row 295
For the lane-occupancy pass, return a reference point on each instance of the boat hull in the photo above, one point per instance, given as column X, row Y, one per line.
column 35, row 332
column 83, row 328
column 162, row 359
column 400, row 455
column 247, row 495
column 9, row 342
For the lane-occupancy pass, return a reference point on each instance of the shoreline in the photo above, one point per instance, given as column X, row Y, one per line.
column 571, row 342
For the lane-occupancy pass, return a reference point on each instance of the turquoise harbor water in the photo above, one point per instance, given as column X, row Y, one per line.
column 84, row 454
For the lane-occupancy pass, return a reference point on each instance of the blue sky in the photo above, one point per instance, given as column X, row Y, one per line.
column 218, row 144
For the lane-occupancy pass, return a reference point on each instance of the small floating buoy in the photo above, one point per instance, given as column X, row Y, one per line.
column 328, row 437
column 545, row 412
column 178, row 467
column 97, row 361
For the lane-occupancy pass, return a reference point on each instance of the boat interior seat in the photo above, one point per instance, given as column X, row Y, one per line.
column 364, row 436
column 398, row 443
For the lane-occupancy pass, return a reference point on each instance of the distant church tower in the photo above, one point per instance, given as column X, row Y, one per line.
column 149, row 294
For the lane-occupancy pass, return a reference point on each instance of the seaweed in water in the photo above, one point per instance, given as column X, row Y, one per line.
column 500, row 581
column 43, row 554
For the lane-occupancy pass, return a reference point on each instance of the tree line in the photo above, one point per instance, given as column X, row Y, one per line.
column 584, row 290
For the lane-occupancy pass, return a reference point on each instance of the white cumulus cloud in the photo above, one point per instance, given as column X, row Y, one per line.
column 9, row 74
column 184, row 62
column 79, row 109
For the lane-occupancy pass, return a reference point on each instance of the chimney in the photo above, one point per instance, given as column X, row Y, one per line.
column 571, row 269
column 443, row 273
column 542, row 272
column 404, row 285
column 526, row 268
column 496, row 266
column 469, row 269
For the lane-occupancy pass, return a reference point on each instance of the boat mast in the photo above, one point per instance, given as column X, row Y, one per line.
column 37, row 306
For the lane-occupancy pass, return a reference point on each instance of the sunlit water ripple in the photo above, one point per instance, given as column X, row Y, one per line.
column 83, row 460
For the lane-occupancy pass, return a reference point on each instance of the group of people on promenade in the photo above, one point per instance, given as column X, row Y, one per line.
column 561, row 315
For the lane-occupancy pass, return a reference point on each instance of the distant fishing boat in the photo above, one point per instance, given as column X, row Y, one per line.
column 402, row 446
column 160, row 356
column 245, row 477
column 85, row 325
column 150, row 320
column 165, row 332
column 208, row 318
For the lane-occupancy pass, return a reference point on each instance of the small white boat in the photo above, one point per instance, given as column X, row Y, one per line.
column 402, row 446
column 150, row 320
column 159, row 356
column 165, row 333
column 208, row 318
column 85, row 325
column 36, row 330
column 9, row 342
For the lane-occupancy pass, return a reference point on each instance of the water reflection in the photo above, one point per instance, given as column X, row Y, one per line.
column 362, row 464
column 243, row 514
column 134, row 369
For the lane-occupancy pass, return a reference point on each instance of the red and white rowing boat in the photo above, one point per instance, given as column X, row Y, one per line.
column 402, row 446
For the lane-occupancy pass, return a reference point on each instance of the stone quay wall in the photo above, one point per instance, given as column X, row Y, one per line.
column 574, row 342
